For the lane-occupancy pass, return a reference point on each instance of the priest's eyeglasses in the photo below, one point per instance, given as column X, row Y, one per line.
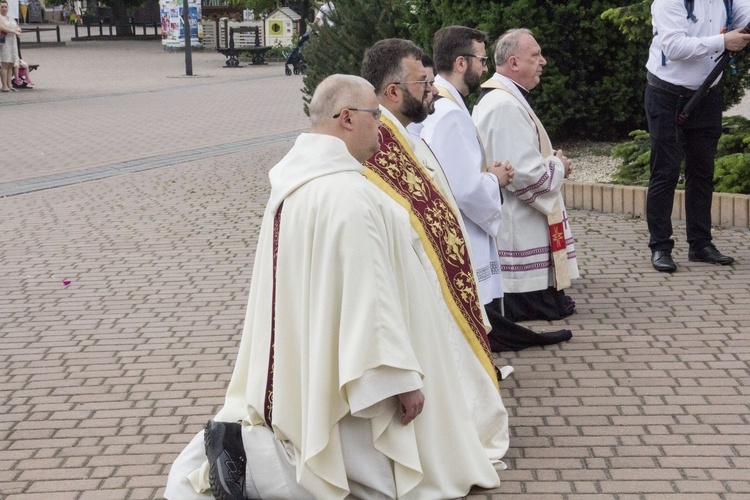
column 482, row 59
column 424, row 82
column 374, row 112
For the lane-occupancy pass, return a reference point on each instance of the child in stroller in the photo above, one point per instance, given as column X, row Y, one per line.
column 295, row 57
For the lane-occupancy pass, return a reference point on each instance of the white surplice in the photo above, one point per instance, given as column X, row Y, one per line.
column 508, row 132
column 354, row 327
column 452, row 136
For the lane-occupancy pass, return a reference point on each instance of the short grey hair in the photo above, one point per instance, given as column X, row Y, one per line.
column 507, row 45
column 335, row 93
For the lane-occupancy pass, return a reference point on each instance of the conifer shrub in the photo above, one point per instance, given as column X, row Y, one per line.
column 635, row 155
column 732, row 171
column 592, row 87
column 357, row 25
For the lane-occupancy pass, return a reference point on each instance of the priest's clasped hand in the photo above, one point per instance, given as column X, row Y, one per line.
column 567, row 164
column 412, row 403
column 503, row 171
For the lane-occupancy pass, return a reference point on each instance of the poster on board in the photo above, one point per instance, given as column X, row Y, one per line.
column 172, row 26
column 13, row 9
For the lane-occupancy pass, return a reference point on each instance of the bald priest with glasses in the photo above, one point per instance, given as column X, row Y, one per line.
column 340, row 389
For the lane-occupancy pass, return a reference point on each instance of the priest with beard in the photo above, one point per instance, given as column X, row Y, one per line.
column 406, row 170
column 461, row 59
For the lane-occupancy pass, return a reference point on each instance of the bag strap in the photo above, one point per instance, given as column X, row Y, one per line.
column 689, row 7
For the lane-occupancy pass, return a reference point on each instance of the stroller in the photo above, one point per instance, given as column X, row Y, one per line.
column 295, row 57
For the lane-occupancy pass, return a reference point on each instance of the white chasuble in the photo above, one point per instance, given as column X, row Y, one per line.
column 479, row 388
column 353, row 328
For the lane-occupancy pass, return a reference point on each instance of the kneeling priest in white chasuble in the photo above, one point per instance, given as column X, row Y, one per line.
column 406, row 170
column 340, row 320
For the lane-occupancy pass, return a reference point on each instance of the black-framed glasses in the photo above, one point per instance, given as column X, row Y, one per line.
column 374, row 112
column 424, row 82
column 482, row 59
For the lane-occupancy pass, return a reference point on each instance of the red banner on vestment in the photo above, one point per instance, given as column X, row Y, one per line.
column 557, row 237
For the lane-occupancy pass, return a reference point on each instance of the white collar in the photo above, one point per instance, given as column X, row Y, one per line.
column 512, row 86
column 442, row 82
column 401, row 129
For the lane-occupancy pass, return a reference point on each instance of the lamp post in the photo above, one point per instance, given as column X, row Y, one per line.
column 188, row 42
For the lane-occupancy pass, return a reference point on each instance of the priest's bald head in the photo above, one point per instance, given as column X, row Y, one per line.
column 394, row 67
column 345, row 106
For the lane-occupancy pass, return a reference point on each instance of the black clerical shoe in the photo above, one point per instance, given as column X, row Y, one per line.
column 711, row 255
column 662, row 261
column 556, row 337
column 226, row 460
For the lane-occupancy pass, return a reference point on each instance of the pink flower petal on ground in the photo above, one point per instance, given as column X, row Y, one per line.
column 66, row 282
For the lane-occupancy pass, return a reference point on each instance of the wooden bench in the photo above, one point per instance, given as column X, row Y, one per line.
column 257, row 51
column 38, row 31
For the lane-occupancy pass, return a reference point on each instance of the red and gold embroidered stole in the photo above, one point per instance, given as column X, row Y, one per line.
column 554, row 219
column 268, row 410
column 396, row 171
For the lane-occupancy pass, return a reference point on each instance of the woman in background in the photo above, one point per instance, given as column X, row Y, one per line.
column 8, row 50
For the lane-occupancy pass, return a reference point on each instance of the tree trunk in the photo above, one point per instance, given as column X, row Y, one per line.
column 306, row 11
column 120, row 17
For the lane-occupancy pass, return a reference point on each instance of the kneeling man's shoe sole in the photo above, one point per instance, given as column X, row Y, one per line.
column 662, row 261
column 711, row 255
column 226, row 460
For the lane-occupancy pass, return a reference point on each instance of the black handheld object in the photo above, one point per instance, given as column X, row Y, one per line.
column 703, row 89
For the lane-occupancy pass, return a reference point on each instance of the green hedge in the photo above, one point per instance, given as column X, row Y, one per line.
column 593, row 84
column 732, row 173
column 358, row 24
column 596, row 50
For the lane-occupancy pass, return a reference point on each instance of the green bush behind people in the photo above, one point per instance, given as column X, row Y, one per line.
column 732, row 173
column 593, row 84
column 594, row 79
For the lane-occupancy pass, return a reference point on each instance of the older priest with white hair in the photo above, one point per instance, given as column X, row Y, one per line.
column 536, row 247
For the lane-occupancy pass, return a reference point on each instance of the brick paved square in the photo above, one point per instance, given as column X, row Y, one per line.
column 122, row 299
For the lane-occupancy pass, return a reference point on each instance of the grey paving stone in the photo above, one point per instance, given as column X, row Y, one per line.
column 104, row 379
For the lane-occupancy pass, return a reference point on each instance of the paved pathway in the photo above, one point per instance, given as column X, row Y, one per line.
column 122, row 299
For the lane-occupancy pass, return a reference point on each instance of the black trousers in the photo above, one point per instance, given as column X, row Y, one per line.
column 695, row 141
column 507, row 335
column 547, row 305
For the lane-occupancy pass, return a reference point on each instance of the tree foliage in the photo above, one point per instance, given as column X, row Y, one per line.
column 358, row 24
column 732, row 173
column 593, row 75
column 596, row 51
column 634, row 21
column 636, row 156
